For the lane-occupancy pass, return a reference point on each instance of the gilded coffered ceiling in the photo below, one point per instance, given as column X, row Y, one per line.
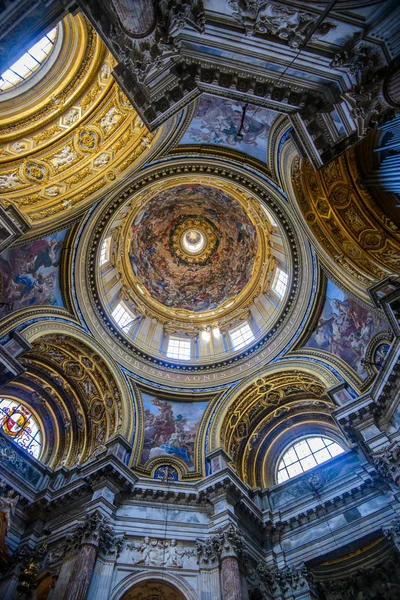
column 345, row 222
column 71, row 135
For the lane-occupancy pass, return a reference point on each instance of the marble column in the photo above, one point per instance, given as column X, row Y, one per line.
column 230, row 575
column 82, row 573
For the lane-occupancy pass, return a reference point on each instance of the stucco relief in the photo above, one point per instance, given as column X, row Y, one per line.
column 65, row 141
column 160, row 553
column 345, row 221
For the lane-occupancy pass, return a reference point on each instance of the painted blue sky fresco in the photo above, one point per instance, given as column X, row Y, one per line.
column 217, row 122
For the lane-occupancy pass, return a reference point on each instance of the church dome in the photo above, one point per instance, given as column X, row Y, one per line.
column 193, row 247
column 194, row 273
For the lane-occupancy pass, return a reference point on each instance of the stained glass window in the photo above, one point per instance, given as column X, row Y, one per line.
column 30, row 62
column 305, row 455
column 18, row 423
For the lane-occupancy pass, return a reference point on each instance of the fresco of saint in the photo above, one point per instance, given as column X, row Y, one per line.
column 29, row 274
column 345, row 328
column 170, row 428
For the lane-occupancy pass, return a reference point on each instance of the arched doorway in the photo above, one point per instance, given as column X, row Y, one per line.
column 153, row 590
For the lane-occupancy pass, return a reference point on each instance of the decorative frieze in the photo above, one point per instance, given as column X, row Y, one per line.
column 160, row 553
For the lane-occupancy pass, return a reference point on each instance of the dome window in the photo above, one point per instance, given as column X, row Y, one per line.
column 105, row 251
column 122, row 316
column 241, row 337
column 179, row 348
column 18, row 423
column 29, row 62
column 280, row 283
column 305, row 455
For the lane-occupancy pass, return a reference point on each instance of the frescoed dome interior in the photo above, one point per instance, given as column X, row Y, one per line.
column 199, row 299
column 207, row 264
column 193, row 247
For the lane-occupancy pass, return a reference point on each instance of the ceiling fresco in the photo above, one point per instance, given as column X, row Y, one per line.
column 170, row 429
column 345, row 328
column 172, row 275
column 29, row 275
column 218, row 120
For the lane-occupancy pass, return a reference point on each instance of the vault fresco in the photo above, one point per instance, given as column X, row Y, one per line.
column 175, row 281
column 345, row 328
column 29, row 275
column 170, row 428
column 217, row 122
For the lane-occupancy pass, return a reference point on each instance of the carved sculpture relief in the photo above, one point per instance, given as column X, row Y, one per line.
column 288, row 24
column 160, row 553
column 367, row 65
column 388, row 462
column 8, row 501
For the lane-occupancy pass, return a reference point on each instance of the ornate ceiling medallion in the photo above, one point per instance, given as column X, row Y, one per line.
column 194, row 240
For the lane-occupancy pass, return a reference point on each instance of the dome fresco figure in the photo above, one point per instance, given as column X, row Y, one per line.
column 195, row 287
column 199, row 300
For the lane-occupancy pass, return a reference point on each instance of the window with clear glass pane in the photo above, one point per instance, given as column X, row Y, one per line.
column 122, row 316
column 105, row 251
column 280, row 283
column 179, row 348
column 30, row 62
column 306, row 454
column 18, row 423
column 241, row 337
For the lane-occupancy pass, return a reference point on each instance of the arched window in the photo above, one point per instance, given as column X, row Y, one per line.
column 18, row 423
column 29, row 63
column 306, row 454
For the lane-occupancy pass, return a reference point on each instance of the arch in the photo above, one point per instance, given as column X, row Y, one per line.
column 176, row 583
column 259, row 416
column 83, row 399
column 39, row 330
column 321, row 373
